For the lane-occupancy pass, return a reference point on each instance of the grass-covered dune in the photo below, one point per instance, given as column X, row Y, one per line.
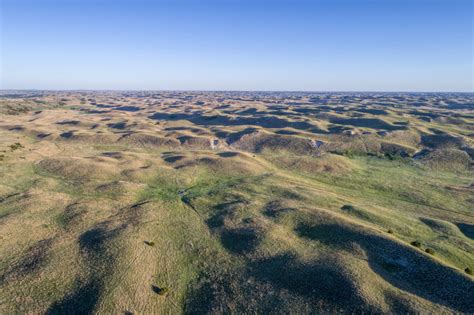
column 139, row 215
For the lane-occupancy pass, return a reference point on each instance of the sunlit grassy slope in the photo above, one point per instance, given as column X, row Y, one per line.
column 86, row 229
column 227, row 204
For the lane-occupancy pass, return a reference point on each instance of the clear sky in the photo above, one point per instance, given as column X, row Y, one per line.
column 358, row 45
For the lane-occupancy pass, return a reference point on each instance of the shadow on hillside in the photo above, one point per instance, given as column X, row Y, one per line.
column 221, row 120
column 228, row 154
column 373, row 123
column 240, row 240
column 86, row 294
column 83, row 300
column 466, row 229
column 402, row 266
column 311, row 280
column 36, row 257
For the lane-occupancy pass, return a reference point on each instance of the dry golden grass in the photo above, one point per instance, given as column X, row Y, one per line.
column 252, row 204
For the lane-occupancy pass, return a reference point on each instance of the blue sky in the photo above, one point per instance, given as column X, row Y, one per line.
column 384, row 45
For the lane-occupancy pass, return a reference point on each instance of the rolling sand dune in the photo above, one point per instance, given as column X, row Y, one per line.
column 236, row 202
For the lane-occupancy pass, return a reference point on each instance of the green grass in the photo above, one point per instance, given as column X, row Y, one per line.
column 391, row 195
column 176, row 228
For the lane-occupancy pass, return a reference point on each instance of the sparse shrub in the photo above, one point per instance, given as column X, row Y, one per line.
column 430, row 251
column 348, row 208
column 82, row 102
column 348, row 154
column 2, row 157
column 416, row 244
column 160, row 291
column 390, row 231
column 163, row 291
column 17, row 109
column 391, row 267
column 468, row 271
column 16, row 146
column 150, row 243
column 394, row 156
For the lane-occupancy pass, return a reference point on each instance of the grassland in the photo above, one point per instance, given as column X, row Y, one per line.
column 168, row 203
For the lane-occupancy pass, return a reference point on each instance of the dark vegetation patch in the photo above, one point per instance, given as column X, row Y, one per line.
column 70, row 215
column 275, row 209
column 16, row 146
column 159, row 290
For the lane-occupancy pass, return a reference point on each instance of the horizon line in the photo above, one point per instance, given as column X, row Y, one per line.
column 255, row 91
